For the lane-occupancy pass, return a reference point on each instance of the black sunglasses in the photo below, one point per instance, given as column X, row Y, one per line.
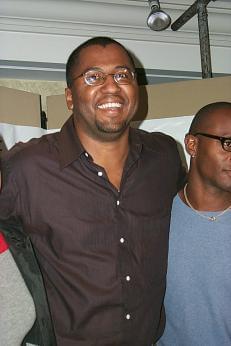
column 225, row 141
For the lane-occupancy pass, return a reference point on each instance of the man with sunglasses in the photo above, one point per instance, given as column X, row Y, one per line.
column 95, row 199
column 198, row 295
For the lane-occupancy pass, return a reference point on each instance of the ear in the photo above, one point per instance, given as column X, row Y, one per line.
column 69, row 101
column 191, row 143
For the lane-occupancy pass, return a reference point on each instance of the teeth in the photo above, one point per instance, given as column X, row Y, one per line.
column 110, row 105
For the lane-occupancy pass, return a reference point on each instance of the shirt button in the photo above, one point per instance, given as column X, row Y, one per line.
column 128, row 316
column 117, row 202
column 100, row 174
column 128, row 278
column 121, row 240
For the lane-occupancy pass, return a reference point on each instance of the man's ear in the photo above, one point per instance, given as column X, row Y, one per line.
column 191, row 142
column 69, row 101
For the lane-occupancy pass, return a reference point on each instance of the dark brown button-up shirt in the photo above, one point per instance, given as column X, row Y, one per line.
column 102, row 252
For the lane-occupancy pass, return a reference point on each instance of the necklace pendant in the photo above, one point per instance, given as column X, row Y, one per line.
column 212, row 218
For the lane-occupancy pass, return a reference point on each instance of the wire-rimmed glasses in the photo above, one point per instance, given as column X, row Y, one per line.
column 98, row 77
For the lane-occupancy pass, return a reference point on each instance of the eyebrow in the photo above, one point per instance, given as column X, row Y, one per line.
column 124, row 67
column 96, row 68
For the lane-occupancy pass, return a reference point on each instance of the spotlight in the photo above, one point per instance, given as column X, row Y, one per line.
column 157, row 20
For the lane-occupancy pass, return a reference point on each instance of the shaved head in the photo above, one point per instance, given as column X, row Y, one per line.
column 203, row 116
column 210, row 164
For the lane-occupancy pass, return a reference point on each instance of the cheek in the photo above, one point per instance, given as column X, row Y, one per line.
column 83, row 99
column 212, row 168
column 204, row 164
column 133, row 96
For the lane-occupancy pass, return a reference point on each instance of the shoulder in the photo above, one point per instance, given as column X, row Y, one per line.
column 162, row 154
column 156, row 141
column 25, row 151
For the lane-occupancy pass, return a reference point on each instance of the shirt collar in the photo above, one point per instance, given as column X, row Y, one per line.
column 135, row 142
column 70, row 147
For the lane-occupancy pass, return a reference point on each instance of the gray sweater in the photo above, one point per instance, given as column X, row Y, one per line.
column 198, row 296
column 17, row 311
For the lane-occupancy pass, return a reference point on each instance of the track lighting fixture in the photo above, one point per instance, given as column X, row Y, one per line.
column 157, row 20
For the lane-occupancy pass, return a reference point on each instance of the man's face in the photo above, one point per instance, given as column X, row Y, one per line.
column 102, row 112
column 212, row 162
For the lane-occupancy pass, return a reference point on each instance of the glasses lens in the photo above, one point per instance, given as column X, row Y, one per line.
column 99, row 77
column 124, row 77
column 227, row 144
column 94, row 77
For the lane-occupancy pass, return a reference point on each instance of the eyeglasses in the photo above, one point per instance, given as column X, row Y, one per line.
column 225, row 141
column 96, row 78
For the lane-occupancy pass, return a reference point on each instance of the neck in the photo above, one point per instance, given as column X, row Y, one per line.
column 111, row 155
column 106, row 151
column 205, row 198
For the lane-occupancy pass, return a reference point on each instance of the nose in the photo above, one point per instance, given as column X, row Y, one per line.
column 110, row 84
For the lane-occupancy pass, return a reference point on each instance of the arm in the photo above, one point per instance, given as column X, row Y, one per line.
column 8, row 190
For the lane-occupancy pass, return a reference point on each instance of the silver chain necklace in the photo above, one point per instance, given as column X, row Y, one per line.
column 210, row 218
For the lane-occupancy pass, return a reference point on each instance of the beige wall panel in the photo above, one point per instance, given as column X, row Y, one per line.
column 19, row 107
column 182, row 98
column 57, row 112
column 159, row 101
column 43, row 88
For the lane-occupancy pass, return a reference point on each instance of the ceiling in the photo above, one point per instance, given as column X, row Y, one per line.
column 53, row 27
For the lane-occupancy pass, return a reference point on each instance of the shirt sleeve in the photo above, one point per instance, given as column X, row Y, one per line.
column 182, row 177
column 9, row 194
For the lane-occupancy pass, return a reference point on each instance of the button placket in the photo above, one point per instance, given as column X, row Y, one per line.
column 124, row 274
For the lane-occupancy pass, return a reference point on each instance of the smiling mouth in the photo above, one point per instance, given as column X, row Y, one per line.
column 110, row 105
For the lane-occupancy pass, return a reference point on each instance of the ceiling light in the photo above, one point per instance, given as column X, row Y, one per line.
column 157, row 20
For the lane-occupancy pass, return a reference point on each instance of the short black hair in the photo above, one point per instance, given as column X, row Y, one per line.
column 203, row 113
column 98, row 40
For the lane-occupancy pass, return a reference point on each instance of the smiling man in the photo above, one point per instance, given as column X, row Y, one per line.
column 95, row 200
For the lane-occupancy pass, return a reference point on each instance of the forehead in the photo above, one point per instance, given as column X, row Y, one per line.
column 106, row 58
column 218, row 122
